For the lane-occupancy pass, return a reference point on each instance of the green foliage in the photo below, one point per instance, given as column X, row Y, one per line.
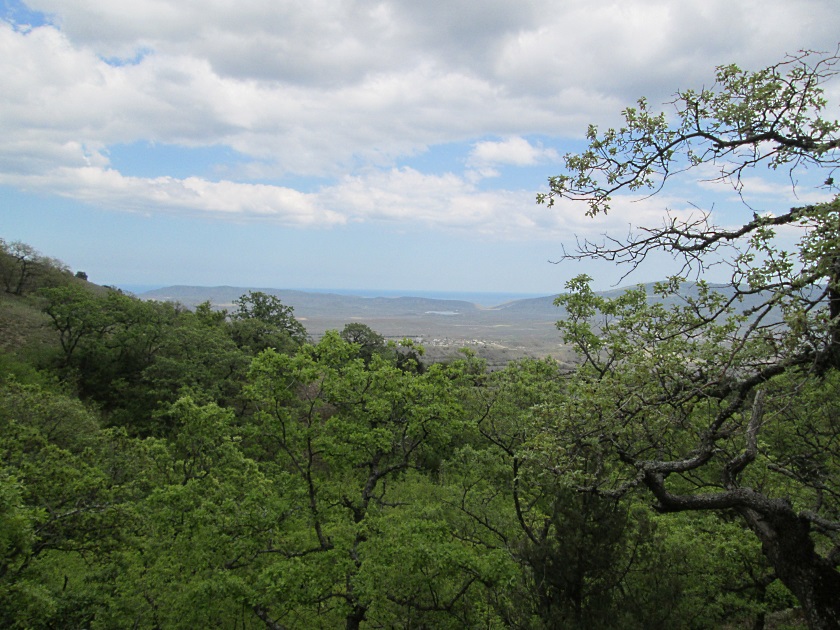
column 58, row 503
column 23, row 269
column 368, row 341
column 133, row 357
column 327, row 473
column 346, row 435
column 107, row 340
column 197, row 356
column 203, row 526
column 580, row 559
column 262, row 321
column 700, row 403
column 18, row 599
column 769, row 117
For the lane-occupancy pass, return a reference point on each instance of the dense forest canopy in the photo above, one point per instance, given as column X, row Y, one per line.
column 171, row 468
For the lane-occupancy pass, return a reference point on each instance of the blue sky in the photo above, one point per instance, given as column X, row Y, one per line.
column 349, row 144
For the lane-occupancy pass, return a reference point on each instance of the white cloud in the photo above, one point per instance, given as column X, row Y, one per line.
column 514, row 151
column 528, row 44
column 400, row 196
column 108, row 188
column 59, row 93
column 345, row 90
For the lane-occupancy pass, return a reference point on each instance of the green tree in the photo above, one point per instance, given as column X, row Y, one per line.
column 582, row 559
column 78, row 315
column 23, row 268
column 262, row 321
column 201, row 532
column 683, row 401
column 63, row 511
column 351, row 440
column 108, row 340
column 369, row 341
column 196, row 357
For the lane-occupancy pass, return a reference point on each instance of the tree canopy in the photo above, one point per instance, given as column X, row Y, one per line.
column 155, row 472
column 720, row 402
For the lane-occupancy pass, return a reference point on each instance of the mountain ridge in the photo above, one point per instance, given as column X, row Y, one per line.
column 308, row 303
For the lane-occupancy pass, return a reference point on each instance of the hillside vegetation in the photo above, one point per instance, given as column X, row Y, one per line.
column 174, row 468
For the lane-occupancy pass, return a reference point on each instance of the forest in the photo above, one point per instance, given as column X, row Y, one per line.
column 173, row 468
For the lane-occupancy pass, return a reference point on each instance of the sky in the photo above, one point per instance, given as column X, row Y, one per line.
column 351, row 144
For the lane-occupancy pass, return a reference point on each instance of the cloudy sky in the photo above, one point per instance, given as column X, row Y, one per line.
column 345, row 144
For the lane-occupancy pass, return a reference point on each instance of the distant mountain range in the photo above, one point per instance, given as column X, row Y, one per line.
column 310, row 304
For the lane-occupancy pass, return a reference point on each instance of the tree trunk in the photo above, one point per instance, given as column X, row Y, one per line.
column 356, row 617
column 786, row 541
